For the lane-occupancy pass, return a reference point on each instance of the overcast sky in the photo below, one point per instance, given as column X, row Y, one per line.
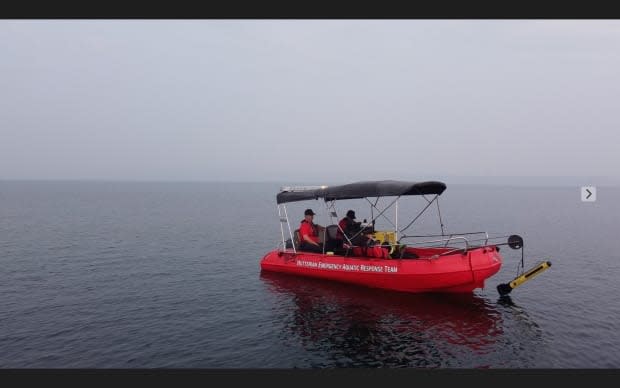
column 323, row 100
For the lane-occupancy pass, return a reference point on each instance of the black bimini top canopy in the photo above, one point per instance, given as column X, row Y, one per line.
column 363, row 190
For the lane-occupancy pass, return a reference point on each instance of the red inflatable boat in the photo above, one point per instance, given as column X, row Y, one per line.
column 389, row 258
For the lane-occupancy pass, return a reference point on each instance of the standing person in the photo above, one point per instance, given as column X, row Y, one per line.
column 309, row 234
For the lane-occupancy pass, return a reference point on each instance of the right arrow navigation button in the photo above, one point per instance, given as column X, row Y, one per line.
column 588, row 193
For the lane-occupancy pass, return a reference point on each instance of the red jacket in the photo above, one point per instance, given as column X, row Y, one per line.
column 349, row 226
column 343, row 225
column 310, row 229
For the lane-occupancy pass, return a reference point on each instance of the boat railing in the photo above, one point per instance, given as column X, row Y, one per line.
column 467, row 238
column 446, row 237
column 473, row 240
column 470, row 240
column 440, row 243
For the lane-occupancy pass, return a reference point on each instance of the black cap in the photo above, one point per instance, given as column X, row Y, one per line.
column 308, row 212
column 351, row 214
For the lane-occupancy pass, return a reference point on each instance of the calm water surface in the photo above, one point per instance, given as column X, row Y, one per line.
column 107, row 275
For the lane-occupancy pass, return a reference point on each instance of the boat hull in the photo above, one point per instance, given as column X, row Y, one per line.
column 455, row 272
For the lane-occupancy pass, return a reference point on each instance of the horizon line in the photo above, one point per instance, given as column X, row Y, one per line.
column 553, row 181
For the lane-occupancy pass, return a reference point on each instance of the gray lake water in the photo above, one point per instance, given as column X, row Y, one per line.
column 142, row 275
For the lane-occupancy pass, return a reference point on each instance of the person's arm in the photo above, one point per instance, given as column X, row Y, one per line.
column 305, row 236
column 353, row 227
column 308, row 239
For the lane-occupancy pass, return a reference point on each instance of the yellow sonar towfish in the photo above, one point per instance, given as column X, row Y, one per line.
column 506, row 288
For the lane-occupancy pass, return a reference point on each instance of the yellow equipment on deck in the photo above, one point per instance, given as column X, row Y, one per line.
column 385, row 236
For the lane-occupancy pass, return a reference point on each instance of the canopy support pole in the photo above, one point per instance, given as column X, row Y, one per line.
column 282, row 219
column 419, row 214
column 440, row 221
column 384, row 216
column 380, row 214
column 289, row 229
column 396, row 220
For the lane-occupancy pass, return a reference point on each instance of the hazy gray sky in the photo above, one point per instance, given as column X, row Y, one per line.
column 322, row 100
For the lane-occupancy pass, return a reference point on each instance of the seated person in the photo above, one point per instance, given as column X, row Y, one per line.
column 309, row 234
column 349, row 226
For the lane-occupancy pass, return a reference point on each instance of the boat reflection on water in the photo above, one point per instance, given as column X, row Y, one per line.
column 355, row 326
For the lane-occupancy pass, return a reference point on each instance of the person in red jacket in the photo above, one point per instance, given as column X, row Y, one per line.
column 309, row 234
column 349, row 226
